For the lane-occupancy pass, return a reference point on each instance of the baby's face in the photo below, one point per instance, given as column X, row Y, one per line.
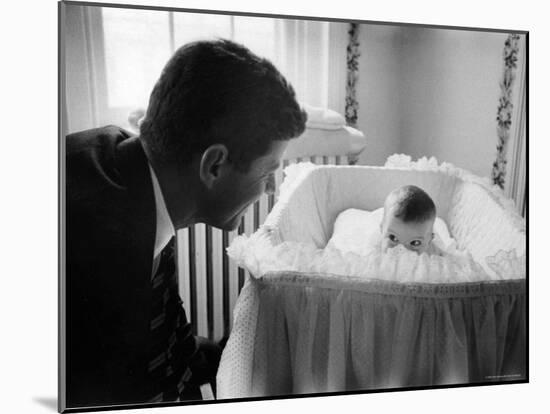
column 414, row 236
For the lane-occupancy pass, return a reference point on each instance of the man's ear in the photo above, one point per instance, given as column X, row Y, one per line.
column 212, row 160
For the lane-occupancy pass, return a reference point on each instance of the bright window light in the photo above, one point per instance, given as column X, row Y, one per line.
column 137, row 45
column 189, row 27
column 256, row 33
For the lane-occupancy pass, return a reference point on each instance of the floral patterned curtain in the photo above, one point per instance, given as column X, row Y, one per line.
column 505, row 107
column 353, row 54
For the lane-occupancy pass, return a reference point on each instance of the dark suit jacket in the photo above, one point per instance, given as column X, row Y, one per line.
column 110, row 235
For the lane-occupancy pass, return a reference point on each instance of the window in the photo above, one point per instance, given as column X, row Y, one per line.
column 136, row 44
column 126, row 49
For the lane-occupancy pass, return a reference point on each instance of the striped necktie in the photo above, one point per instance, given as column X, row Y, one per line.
column 172, row 340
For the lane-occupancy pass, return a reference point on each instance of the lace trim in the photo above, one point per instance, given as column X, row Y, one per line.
column 259, row 256
column 265, row 252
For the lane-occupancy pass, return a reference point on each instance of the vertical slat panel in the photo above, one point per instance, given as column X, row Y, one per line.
column 233, row 280
column 264, row 207
column 240, row 270
column 184, row 283
column 218, row 283
column 271, row 199
column 209, row 282
column 200, row 266
column 192, row 278
column 248, row 229
column 227, row 309
column 249, row 221
column 278, row 181
column 256, row 215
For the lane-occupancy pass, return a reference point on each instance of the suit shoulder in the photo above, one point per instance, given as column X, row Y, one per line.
column 91, row 163
column 107, row 137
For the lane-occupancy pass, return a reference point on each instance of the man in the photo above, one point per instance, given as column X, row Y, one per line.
column 217, row 124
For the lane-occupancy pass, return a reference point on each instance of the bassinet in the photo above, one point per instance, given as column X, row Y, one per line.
column 298, row 329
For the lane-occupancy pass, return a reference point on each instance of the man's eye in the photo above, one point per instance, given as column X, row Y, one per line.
column 416, row 243
column 392, row 238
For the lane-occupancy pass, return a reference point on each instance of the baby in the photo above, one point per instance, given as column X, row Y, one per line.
column 409, row 216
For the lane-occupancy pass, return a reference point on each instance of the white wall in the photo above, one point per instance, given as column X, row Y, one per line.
column 430, row 92
column 378, row 91
column 449, row 96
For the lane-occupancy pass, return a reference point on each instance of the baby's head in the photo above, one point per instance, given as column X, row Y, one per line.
column 409, row 216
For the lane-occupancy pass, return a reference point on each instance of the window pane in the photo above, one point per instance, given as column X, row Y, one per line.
column 137, row 45
column 194, row 26
column 256, row 33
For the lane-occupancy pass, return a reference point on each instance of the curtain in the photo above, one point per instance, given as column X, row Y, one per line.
column 509, row 167
column 515, row 185
column 352, row 61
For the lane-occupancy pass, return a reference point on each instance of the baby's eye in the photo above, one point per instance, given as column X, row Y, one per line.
column 393, row 238
column 416, row 243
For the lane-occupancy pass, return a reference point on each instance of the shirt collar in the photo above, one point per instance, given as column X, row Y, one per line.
column 165, row 228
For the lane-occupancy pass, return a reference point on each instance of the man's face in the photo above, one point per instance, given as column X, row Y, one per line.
column 414, row 236
column 236, row 191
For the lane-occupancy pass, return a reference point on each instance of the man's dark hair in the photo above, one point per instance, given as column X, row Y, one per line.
column 410, row 204
column 219, row 92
